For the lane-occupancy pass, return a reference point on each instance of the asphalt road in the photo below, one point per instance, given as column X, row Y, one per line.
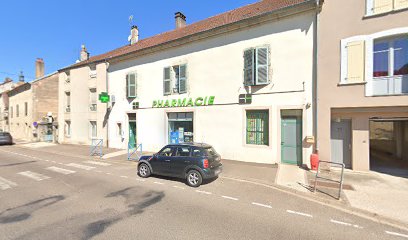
column 50, row 196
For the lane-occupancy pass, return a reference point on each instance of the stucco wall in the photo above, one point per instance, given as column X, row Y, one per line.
column 21, row 127
column 330, row 94
column 215, row 68
column 45, row 95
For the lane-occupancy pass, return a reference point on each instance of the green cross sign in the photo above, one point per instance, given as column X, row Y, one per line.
column 104, row 97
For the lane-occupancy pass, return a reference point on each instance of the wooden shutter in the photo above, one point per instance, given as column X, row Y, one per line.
column 399, row 4
column 382, row 6
column 262, row 64
column 166, row 81
column 355, row 62
column 182, row 79
column 249, row 79
column 131, row 85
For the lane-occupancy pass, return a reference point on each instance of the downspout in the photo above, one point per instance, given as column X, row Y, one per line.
column 107, row 105
column 315, row 73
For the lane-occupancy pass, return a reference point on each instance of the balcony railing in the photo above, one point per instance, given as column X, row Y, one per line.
column 383, row 86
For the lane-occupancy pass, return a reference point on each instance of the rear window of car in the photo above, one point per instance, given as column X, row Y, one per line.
column 210, row 151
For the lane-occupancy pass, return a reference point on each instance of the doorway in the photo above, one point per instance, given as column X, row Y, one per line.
column 132, row 130
column 340, row 140
column 291, row 137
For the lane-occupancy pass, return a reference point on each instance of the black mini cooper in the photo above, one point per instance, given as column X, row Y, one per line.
column 191, row 161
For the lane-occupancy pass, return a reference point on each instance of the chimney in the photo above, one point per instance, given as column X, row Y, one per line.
column 134, row 35
column 39, row 68
column 84, row 55
column 180, row 20
column 21, row 77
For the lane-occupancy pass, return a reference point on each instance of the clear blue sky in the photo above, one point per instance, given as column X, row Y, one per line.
column 54, row 30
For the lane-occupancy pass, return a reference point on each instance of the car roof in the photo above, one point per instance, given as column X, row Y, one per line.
column 203, row 145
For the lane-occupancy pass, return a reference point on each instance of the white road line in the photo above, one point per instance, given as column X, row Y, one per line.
column 261, row 205
column 204, row 192
column 98, row 163
column 61, row 170
column 124, row 176
column 158, row 183
column 33, row 175
column 108, row 173
column 140, row 180
column 179, row 187
column 6, row 184
column 397, row 234
column 80, row 166
column 345, row 224
column 299, row 213
column 230, row 198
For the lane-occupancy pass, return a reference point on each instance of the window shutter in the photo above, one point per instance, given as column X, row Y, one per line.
column 131, row 85
column 382, row 6
column 183, row 79
column 399, row 4
column 166, row 81
column 355, row 62
column 262, row 64
column 249, row 67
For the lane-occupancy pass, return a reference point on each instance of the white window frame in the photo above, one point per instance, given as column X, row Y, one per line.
column 369, row 53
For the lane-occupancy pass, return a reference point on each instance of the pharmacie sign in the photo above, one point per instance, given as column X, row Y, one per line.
column 184, row 102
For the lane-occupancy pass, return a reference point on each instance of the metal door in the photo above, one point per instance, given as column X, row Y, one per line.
column 291, row 140
column 341, row 142
column 132, row 134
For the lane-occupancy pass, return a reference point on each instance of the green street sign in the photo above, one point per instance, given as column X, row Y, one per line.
column 104, row 97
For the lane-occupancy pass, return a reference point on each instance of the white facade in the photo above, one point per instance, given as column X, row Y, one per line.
column 215, row 67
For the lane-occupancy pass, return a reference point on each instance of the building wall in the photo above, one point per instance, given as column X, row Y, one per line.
column 45, row 95
column 215, row 68
column 353, row 22
column 80, row 115
column 21, row 127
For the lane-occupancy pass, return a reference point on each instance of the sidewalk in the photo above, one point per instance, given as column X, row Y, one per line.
column 372, row 194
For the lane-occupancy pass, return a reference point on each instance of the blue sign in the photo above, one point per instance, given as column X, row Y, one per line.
column 174, row 137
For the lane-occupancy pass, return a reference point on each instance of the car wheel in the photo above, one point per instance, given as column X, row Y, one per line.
column 194, row 178
column 144, row 170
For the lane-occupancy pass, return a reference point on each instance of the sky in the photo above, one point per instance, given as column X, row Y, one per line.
column 55, row 29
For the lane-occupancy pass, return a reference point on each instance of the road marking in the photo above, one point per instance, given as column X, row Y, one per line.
column 299, row 213
column 76, row 165
column 140, row 180
column 33, row 175
column 46, row 160
column 179, row 187
column 203, row 192
column 345, row 224
column 108, row 173
column 53, row 161
column 6, row 184
column 230, row 198
column 261, row 205
column 98, row 163
column 61, row 170
column 124, row 176
column 158, row 183
column 98, row 171
column 396, row 234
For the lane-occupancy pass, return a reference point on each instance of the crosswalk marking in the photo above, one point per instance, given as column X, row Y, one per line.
column 61, row 170
column 6, row 184
column 33, row 175
column 98, row 163
column 80, row 166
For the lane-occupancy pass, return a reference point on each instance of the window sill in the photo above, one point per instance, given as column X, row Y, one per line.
column 351, row 84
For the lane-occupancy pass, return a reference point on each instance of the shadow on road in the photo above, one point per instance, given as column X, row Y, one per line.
column 205, row 181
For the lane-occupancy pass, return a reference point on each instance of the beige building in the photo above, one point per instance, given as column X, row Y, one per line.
column 363, row 84
column 81, row 116
column 5, row 87
column 31, row 106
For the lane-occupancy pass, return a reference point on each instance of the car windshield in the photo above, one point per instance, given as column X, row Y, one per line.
column 210, row 151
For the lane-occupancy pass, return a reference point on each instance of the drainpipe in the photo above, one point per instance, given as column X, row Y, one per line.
column 107, row 105
column 315, row 73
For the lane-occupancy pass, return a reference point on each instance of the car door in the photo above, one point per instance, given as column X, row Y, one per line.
column 161, row 161
column 180, row 161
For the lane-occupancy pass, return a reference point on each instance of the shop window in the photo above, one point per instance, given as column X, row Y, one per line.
column 131, row 85
column 175, row 79
column 181, row 127
column 257, row 127
column 256, row 66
